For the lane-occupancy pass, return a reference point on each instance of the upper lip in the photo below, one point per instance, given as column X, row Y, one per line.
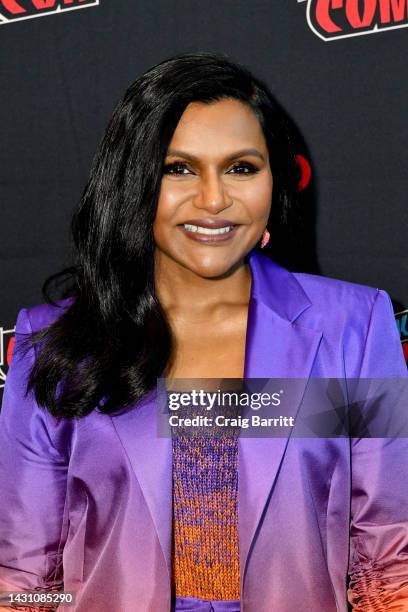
column 209, row 223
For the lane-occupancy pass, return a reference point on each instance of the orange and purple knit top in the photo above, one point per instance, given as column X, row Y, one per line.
column 205, row 558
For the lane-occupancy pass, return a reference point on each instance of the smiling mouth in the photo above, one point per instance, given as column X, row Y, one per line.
column 206, row 230
column 211, row 236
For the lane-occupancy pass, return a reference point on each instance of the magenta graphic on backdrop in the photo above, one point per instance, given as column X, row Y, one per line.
column 6, row 349
column 335, row 19
column 16, row 10
column 402, row 323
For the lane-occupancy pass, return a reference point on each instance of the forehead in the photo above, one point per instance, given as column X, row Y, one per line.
column 224, row 124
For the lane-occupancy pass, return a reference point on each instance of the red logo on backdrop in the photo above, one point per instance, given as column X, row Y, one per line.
column 305, row 171
column 6, row 349
column 334, row 19
column 16, row 10
column 402, row 324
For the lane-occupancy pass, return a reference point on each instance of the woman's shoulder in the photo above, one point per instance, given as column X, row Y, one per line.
column 338, row 305
column 42, row 315
column 315, row 296
column 319, row 293
column 341, row 299
column 325, row 290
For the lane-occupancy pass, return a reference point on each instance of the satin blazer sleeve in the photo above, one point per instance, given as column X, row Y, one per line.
column 378, row 562
column 33, row 475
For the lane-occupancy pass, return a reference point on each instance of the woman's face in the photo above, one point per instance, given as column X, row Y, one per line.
column 216, row 174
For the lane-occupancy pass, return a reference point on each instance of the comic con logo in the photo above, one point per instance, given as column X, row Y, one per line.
column 402, row 324
column 6, row 349
column 334, row 19
column 16, row 10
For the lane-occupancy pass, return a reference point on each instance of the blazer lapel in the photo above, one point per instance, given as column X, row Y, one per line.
column 151, row 459
column 276, row 347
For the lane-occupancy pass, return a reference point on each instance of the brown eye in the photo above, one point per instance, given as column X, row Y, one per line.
column 175, row 168
column 244, row 168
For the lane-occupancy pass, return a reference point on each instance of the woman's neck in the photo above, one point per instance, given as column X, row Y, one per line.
column 177, row 287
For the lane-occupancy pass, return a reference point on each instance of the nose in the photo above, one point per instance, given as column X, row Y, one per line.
column 213, row 195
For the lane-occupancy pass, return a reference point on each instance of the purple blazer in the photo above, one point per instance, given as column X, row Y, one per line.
column 88, row 504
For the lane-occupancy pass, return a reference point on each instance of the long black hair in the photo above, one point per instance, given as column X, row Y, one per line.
column 112, row 339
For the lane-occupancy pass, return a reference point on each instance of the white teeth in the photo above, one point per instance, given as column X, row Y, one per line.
column 206, row 230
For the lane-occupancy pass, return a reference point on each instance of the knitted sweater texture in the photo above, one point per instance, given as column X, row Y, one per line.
column 205, row 560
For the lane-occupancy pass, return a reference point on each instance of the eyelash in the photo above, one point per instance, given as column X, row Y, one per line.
column 252, row 169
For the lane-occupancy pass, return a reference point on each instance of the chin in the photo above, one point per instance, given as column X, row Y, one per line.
column 213, row 268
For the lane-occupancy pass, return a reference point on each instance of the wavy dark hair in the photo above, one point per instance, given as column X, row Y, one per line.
column 112, row 339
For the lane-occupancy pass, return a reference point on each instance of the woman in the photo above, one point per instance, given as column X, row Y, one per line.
column 194, row 173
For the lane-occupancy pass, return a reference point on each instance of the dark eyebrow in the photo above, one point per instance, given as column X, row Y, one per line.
column 240, row 153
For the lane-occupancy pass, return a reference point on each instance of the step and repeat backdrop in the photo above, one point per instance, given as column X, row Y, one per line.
column 337, row 67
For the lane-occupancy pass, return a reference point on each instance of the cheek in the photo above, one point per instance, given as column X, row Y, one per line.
column 172, row 194
column 170, row 198
column 163, row 208
column 166, row 206
column 259, row 199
